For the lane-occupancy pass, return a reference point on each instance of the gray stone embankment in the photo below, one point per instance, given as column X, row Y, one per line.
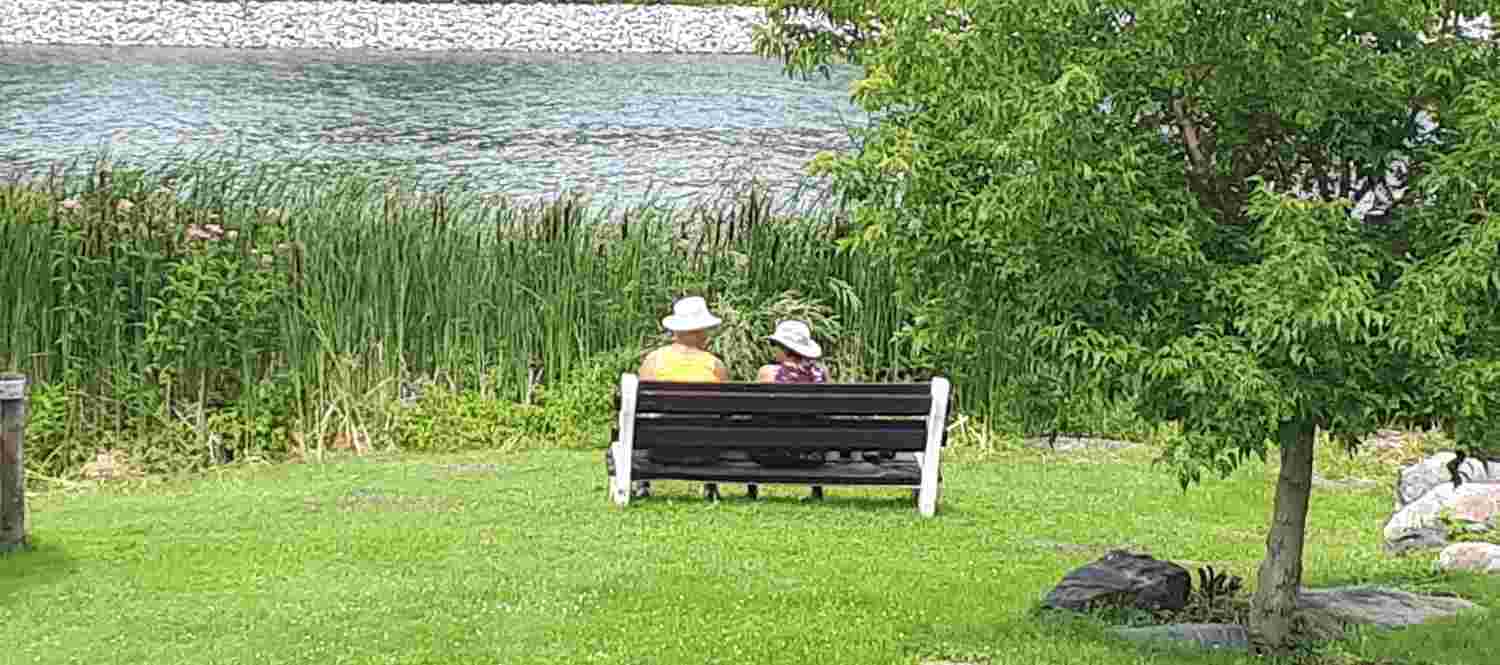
column 565, row 28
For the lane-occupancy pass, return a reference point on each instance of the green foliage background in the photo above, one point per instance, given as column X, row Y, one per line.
column 1155, row 202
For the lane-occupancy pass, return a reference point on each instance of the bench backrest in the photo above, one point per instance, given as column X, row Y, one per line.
column 874, row 416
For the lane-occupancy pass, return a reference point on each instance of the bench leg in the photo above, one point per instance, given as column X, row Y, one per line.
column 711, row 491
column 623, row 449
column 620, row 486
column 931, row 458
column 753, row 491
column 927, row 492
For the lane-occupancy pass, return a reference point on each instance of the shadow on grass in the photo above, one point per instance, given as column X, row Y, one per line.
column 39, row 565
column 864, row 504
column 1065, row 627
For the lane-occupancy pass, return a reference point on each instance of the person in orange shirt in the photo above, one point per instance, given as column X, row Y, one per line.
column 685, row 360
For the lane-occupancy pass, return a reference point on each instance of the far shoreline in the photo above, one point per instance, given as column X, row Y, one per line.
column 84, row 54
column 384, row 26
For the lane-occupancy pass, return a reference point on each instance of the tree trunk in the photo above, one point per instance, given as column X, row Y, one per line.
column 1273, row 609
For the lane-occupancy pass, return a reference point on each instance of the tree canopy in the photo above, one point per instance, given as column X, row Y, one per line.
column 1259, row 219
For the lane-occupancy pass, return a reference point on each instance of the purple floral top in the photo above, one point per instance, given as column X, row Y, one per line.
column 805, row 370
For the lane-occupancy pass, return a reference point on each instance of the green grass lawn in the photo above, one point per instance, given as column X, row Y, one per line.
column 520, row 559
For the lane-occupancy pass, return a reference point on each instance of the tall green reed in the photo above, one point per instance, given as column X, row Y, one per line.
column 204, row 288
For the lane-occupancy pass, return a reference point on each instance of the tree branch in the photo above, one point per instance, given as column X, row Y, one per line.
column 1191, row 138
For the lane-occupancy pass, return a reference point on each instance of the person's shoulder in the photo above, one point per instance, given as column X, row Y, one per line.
column 649, row 360
column 766, row 374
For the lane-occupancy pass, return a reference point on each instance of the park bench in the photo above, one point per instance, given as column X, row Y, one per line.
column 780, row 434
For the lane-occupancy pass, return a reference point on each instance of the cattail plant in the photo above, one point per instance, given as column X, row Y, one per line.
column 294, row 302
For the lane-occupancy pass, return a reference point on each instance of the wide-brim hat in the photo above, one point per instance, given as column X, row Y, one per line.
column 797, row 338
column 690, row 313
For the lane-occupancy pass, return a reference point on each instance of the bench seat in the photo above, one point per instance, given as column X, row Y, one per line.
column 737, row 467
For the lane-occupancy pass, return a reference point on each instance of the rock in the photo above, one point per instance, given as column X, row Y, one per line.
column 1475, row 505
column 1122, row 578
column 1425, row 538
column 1418, row 479
column 1328, row 612
column 1479, row 509
column 1067, row 444
column 1472, row 557
column 1225, row 636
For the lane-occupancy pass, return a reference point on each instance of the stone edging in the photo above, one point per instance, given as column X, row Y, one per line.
column 554, row 28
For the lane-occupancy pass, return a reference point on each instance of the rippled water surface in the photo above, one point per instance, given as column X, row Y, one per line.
column 678, row 126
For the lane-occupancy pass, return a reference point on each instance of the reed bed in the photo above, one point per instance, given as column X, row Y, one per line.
column 241, row 312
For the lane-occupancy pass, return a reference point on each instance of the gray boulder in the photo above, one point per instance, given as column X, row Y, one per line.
column 1472, row 557
column 1123, row 579
column 1225, row 636
column 1473, row 506
column 1418, row 479
column 1323, row 613
column 1327, row 613
column 1425, row 538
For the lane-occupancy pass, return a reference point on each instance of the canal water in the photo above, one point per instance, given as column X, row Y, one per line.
column 622, row 127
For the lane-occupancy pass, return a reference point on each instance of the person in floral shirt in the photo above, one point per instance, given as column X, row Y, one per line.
column 795, row 361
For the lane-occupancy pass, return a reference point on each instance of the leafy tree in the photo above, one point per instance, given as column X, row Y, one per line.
column 1259, row 218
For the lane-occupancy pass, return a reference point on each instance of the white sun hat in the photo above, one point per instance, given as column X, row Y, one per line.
column 796, row 336
column 690, row 313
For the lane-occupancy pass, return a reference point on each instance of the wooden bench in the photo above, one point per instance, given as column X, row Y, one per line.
column 780, row 434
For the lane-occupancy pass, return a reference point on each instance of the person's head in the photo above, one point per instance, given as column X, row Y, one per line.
column 793, row 341
column 690, row 322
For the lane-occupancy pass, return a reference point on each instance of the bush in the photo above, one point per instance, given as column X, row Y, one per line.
column 445, row 420
column 579, row 410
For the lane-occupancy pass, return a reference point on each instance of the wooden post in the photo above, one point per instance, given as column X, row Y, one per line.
column 12, row 462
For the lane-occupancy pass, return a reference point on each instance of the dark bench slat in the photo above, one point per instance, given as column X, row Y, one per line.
column 899, row 472
column 830, row 403
column 668, row 388
column 716, row 433
column 787, row 427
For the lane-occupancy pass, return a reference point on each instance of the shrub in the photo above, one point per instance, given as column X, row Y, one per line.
column 447, row 420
